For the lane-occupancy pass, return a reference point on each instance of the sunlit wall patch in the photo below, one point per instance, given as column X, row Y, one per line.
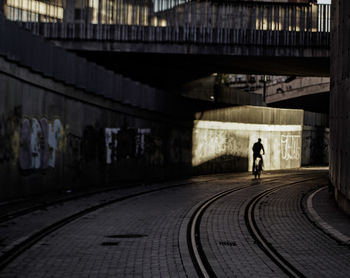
column 216, row 142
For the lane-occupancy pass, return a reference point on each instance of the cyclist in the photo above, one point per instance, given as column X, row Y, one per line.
column 257, row 148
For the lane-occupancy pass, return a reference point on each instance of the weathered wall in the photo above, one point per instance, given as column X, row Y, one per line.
column 54, row 136
column 224, row 138
column 339, row 103
column 67, row 123
column 227, row 146
column 53, row 62
column 315, row 142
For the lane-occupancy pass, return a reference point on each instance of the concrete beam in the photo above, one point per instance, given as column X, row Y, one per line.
column 297, row 88
column 170, row 70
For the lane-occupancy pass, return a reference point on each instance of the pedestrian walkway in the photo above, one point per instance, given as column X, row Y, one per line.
column 328, row 216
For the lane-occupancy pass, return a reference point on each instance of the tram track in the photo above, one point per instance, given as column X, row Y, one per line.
column 287, row 267
column 201, row 262
column 259, row 238
column 199, row 258
column 42, row 205
column 19, row 248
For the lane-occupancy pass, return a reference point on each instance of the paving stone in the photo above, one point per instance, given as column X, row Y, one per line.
column 84, row 248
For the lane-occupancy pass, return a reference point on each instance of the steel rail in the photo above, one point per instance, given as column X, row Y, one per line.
column 199, row 259
column 198, row 256
column 7, row 257
column 263, row 243
column 39, row 205
column 18, row 249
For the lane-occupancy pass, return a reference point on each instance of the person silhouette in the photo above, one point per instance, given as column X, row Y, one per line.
column 257, row 148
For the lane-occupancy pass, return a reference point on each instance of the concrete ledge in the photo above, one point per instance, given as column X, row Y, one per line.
column 322, row 224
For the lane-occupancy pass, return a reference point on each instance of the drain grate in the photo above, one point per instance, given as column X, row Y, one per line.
column 228, row 243
column 110, row 243
column 127, row 236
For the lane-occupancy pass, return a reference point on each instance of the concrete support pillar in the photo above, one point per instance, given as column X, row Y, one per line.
column 340, row 103
column 2, row 7
column 99, row 17
column 68, row 14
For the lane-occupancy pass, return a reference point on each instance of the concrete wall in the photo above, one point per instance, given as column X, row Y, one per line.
column 339, row 103
column 55, row 134
column 315, row 144
column 228, row 135
column 230, row 144
column 43, row 57
column 56, row 137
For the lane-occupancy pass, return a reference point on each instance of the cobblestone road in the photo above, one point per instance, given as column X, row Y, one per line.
column 146, row 236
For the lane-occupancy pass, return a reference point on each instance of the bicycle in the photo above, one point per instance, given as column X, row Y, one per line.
column 257, row 167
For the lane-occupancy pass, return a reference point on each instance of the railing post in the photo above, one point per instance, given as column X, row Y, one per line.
column 197, row 21
column 68, row 12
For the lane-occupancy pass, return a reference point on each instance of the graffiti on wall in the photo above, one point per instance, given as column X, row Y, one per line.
column 156, row 152
column 39, row 143
column 180, row 146
column 93, row 147
column 73, row 156
column 125, row 143
column 111, row 144
column 9, row 135
column 290, row 147
column 141, row 136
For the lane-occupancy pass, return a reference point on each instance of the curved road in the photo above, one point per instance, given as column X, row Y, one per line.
column 146, row 236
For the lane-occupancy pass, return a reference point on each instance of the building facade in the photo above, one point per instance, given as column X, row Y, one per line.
column 339, row 103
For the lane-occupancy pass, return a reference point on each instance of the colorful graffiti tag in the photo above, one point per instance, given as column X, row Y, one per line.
column 39, row 142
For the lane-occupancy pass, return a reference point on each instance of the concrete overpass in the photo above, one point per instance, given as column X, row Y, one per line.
column 171, row 42
column 308, row 93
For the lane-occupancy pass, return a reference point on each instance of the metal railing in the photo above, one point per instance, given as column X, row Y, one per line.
column 197, row 21
column 214, row 14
